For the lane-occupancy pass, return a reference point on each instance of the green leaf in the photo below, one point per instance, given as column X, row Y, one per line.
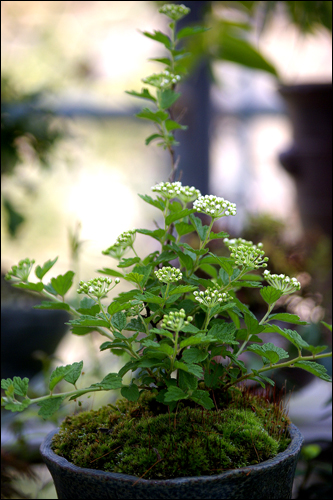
column 225, row 262
column 155, row 203
column 163, row 60
column 314, row 368
column 41, row 271
column 229, row 46
column 182, row 289
column 191, row 30
column 201, row 230
column 174, row 394
column 128, row 262
column 19, row 386
column 134, row 277
column 77, row 330
column 150, row 297
column 131, row 392
column 253, row 324
column 119, row 321
column 88, row 307
column 202, row 398
column 200, row 338
column 62, row 283
column 187, row 381
column 50, row 406
column 178, row 215
column 327, row 325
column 172, row 125
column 212, row 377
column 34, row 287
column 160, row 37
column 208, row 269
column 136, row 325
column 90, row 321
column 144, row 94
column 115, row 307
column 194, row 355
column 215, row 236
column 224, row 333
column 270, row 294
column 110, row 272
column 190, row 368
column 68, row 372
column 291, row 335
column 17, row 405
column 289, row 318
column 111, row 381
column 269, row 352
column 148, row 114
column 183, row 228
column 157, row 234
column 152, row 138
column 316, row 349
column 167, row 98
column 53, row 305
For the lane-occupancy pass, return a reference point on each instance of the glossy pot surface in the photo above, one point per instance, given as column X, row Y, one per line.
column 272, row 479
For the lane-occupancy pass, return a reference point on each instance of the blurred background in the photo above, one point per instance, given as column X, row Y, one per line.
column 257, row 101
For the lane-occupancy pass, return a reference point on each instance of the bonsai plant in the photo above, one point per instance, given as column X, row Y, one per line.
column 186, row 425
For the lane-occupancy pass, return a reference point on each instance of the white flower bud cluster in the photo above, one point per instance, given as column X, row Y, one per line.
column 246, row 253
column 123, row 242
column 214, row 206
column 97, row 287
column 163, row 80
column 173, row 11
column 168, row 274
column 282, row 282
column 171, row 190
column 21, row 271
column 175, row 320
column 211, row 296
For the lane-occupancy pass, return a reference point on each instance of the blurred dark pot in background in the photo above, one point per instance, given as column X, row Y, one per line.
column 24, row 331
column 309, row 159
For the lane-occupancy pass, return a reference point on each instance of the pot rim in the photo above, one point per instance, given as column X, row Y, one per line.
column 293, row 449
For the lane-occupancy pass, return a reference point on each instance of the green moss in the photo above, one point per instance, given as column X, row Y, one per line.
column 138, row 439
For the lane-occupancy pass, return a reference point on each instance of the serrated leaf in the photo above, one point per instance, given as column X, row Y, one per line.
column 174, row 394
column 270, row 294
column 253, row 324
column 187, row 381
column 50, row 406
column 191, row 30
column 182, row 289
column 201, row 230
column 144, row 94
column 202, row 398
column 327, row 325
column 289, row 318
column 215, row 236
column 20, row 386
column 90, row 321
column 172, row 125
column 136, row 325
column 291, row 335
column 167, row 98
column 110, row 272
column 178, row 215
column 212, row 377
column 157, row 234
column 18, row 405
column 224, row 333
column 157, row 116
column 225, row 262
column 314, row 368
column 131, row 392
column 151, row 298
column 155, row 203
column 111, row 381
column 190, row 368
column 62, row 283
column 194, row 355
column 88, row 307
column 316, row 349
column 41, row 271
column 134, row 278
column 119, row 321
column 69, row 372
column 269, row 352
column 158, row 36
column 128, row 262
column 183, row 228
column 77, row 330
column 34, row 287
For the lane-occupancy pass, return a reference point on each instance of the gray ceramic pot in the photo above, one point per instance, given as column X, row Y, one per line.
column 268, row 480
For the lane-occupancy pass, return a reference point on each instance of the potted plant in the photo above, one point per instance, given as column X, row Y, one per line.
column 185, row 426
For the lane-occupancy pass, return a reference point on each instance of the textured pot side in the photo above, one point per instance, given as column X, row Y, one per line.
column 268, row 480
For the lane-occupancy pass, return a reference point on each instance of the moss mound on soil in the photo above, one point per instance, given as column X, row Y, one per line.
column 141, row 439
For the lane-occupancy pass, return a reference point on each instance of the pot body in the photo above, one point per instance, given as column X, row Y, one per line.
column 272, row 479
